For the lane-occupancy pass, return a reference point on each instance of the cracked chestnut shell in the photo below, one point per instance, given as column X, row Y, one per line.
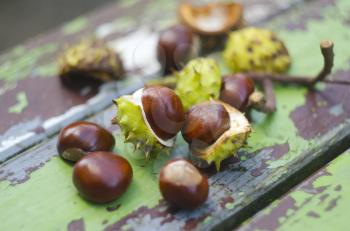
column 102, row 176
column 89, row 62
column 176, row 45
column 204, row 124
column 182, row 185
column 79, row 138
column 236, row 89
column 163, row 110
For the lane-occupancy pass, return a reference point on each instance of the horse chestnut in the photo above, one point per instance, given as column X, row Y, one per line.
column 163, row 110
column 102, row 176
column 236, row 89
column 205, row 123
column 78, row 138
column 215, row 131
column 182, row 185
column 176, row 46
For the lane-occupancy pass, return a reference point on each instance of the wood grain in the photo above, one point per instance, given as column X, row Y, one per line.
column 308, row 129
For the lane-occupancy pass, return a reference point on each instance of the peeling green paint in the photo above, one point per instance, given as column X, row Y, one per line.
column 119, row 25
column 127, row 3
column 333, row 208
column 229, row 205
column 22, row 62
column 207, row 220
column 75, row 26
column 22, row 103
column 39, row 194
column 269, row 130
column 47, row 70
column 33, row 199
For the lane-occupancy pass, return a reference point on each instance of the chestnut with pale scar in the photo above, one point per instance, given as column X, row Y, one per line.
column 214, row 131
column 82, row 137
column 150, row 119
column 182, row 185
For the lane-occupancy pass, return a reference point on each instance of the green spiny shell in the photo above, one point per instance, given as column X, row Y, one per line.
column 129, row 118
column 199, row 81
column 229, row 142
column 254, row 49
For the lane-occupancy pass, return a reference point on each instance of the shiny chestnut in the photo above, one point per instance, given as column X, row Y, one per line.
column 78, row 138
column 182, row 185
column 176, row 45
column 236, row 89
column 205, row 123
column 163, row 110
column 102, row 176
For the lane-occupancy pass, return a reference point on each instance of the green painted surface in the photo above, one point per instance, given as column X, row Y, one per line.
column 22, row 103
column 49, row 200
column 20, row 62
column 75, row 26
column 320, row 203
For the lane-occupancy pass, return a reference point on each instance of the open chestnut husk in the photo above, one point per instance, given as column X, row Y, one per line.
column 80, row 138
column 203, row 131
column 176, row 46
column 226, row 135
column 182, row 185
column 150, row 118
column 200, row 80
column 102, row 177
column 211, row 22
column 88, row 62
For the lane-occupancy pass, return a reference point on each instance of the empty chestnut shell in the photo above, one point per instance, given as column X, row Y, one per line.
column 236, row 89
column 78, row 138
column 205, row 123
column 89, row 62
column 211, row 19
column 176, row 46
column 163, row 110
column 102, row 176
column 182, row 185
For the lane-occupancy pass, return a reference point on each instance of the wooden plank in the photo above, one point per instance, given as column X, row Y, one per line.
column 28, row 115
column 319, row 203
column 308, row 129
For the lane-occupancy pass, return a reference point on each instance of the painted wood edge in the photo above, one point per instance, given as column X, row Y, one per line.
column 331, row 146
column 104, row 98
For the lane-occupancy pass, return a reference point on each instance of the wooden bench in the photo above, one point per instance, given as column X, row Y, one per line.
column 309, row 129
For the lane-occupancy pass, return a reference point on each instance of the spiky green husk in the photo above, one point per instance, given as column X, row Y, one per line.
column 254, row 49
column 129, row 118
column 230, row 142
column 199, row 81
column 228, row 148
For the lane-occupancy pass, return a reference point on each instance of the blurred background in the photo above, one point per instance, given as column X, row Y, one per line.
column 23, row 19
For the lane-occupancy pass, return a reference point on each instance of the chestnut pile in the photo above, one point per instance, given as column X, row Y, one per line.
column 195, row 102
column 102, row 176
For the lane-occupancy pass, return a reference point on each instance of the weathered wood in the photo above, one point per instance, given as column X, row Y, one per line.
column 308, row 129
column 28, row 114
column 319, row 203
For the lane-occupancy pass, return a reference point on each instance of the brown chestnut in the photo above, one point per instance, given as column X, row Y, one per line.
column 163, row 110
column 236, row 89
column 176, row 46
column 182, row 185
column 78, row 138
column 102, row 176
column 205, row 123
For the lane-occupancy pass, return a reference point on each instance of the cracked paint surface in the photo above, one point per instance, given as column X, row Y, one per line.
column 277, row 144
column 319, row 203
